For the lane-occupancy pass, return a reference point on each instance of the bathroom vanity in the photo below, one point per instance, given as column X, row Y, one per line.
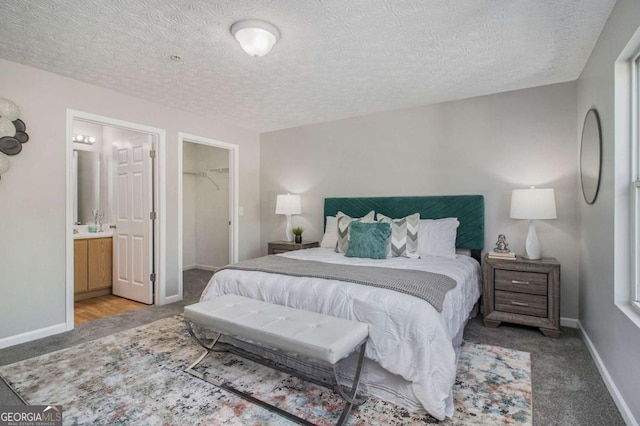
column 93, row 265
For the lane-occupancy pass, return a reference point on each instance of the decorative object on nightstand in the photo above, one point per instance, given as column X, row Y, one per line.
column 297, row 232
column 523, row 292
column 276, row 247
column 533, row 204
column 501, row 250
column 288, row 205
column 501, row 244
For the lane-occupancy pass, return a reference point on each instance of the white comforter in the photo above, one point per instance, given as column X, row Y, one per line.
column 407, row 336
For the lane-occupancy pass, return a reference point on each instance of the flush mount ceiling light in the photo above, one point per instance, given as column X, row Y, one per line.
column 256, row 37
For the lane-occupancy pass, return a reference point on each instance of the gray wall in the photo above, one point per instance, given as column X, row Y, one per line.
column 604, row 233
column 32, row 229
column 486, row 145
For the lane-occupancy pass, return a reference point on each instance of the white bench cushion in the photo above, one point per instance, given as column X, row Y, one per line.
column 315, row 336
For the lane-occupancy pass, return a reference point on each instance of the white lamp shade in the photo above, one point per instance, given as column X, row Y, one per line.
column 533, row 203
column 256, row 37
column 288, row 204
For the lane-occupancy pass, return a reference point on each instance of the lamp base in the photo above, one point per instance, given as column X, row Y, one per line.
column 288, row 234
column 532, row 244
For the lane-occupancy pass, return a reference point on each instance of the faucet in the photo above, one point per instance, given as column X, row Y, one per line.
column 97, row 219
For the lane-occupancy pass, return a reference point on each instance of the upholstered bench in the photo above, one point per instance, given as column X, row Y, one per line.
column 316, row 337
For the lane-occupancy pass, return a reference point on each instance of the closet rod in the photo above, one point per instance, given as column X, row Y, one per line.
column 206, row 174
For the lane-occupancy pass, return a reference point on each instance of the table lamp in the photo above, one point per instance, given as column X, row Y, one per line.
column 288, row 205
column 533, row 204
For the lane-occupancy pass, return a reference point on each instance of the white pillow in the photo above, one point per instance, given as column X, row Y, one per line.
column 330, row 238
column 437, row 237
column 404, row 235
column 343, row 228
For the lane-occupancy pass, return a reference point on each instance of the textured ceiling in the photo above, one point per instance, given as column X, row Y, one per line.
column 335, row 58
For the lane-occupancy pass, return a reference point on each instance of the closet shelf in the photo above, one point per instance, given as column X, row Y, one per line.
column 218, row 171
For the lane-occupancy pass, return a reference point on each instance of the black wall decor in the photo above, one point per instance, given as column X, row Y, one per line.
column 12, row 133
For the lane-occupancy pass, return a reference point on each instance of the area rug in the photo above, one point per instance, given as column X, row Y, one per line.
column 136, row 377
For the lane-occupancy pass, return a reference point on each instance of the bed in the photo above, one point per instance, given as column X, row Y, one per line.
column 411, row 359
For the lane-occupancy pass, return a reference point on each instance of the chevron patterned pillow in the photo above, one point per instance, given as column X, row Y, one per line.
column 343, row 228
column 404, row 235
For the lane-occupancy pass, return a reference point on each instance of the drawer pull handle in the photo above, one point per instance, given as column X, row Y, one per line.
column 519, row 303
column 519, row 282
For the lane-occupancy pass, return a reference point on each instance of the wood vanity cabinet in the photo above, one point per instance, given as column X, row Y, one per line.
column 93, row 260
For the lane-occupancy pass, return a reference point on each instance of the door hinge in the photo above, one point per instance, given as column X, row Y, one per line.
column 152, row 215
column 152, row 278
column 152, row 153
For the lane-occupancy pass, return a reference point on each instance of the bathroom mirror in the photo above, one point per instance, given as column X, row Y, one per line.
column 86, row 166
column 591, row 156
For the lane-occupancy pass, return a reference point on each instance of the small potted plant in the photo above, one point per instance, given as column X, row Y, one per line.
column 297, row 231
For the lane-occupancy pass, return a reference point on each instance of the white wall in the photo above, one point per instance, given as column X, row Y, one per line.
column 613, row 334
column 32, row 230
column 487, row 145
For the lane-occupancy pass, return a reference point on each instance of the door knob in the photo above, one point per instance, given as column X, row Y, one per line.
column 112, row 226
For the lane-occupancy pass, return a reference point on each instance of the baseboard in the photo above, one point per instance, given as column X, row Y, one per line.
column 569, row 322
column 32, row 335
column 172, row 299
column 91, row 294
column 206, row 268
column 608, row 381
column 189, row 267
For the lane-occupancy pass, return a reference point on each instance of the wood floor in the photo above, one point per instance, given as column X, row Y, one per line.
column 101, row 307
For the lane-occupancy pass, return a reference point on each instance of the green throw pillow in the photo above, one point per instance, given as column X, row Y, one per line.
column 368, row 240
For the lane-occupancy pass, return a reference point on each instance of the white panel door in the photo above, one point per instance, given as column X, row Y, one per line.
column 132, row 246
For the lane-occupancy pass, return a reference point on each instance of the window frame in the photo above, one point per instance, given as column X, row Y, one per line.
column 635, row 184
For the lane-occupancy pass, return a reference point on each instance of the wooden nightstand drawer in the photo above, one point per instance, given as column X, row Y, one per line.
column 277, row 247
column 520, row 303
column 521, row 282
column 522, row 291
column 278, row 251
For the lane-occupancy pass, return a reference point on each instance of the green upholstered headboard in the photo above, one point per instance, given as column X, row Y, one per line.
column 469, row 209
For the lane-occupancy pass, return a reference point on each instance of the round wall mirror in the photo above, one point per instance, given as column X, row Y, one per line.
column 591, row 156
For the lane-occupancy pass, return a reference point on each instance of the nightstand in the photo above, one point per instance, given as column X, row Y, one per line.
column 276, row 247
column 524, row 292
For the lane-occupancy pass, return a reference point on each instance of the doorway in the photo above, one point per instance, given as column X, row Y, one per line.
column 115, row 226
column 205, row 207
column 208, row 187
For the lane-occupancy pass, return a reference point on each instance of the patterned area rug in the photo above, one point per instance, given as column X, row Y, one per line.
column 136, row 377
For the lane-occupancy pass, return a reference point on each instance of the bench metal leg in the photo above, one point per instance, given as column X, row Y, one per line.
column 200, row 342
column 244, row 395
column 349, row 398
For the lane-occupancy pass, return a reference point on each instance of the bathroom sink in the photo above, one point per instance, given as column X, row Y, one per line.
column 85, row 235
column 81, row 232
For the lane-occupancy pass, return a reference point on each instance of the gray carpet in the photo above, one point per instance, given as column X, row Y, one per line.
column 567, row 388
